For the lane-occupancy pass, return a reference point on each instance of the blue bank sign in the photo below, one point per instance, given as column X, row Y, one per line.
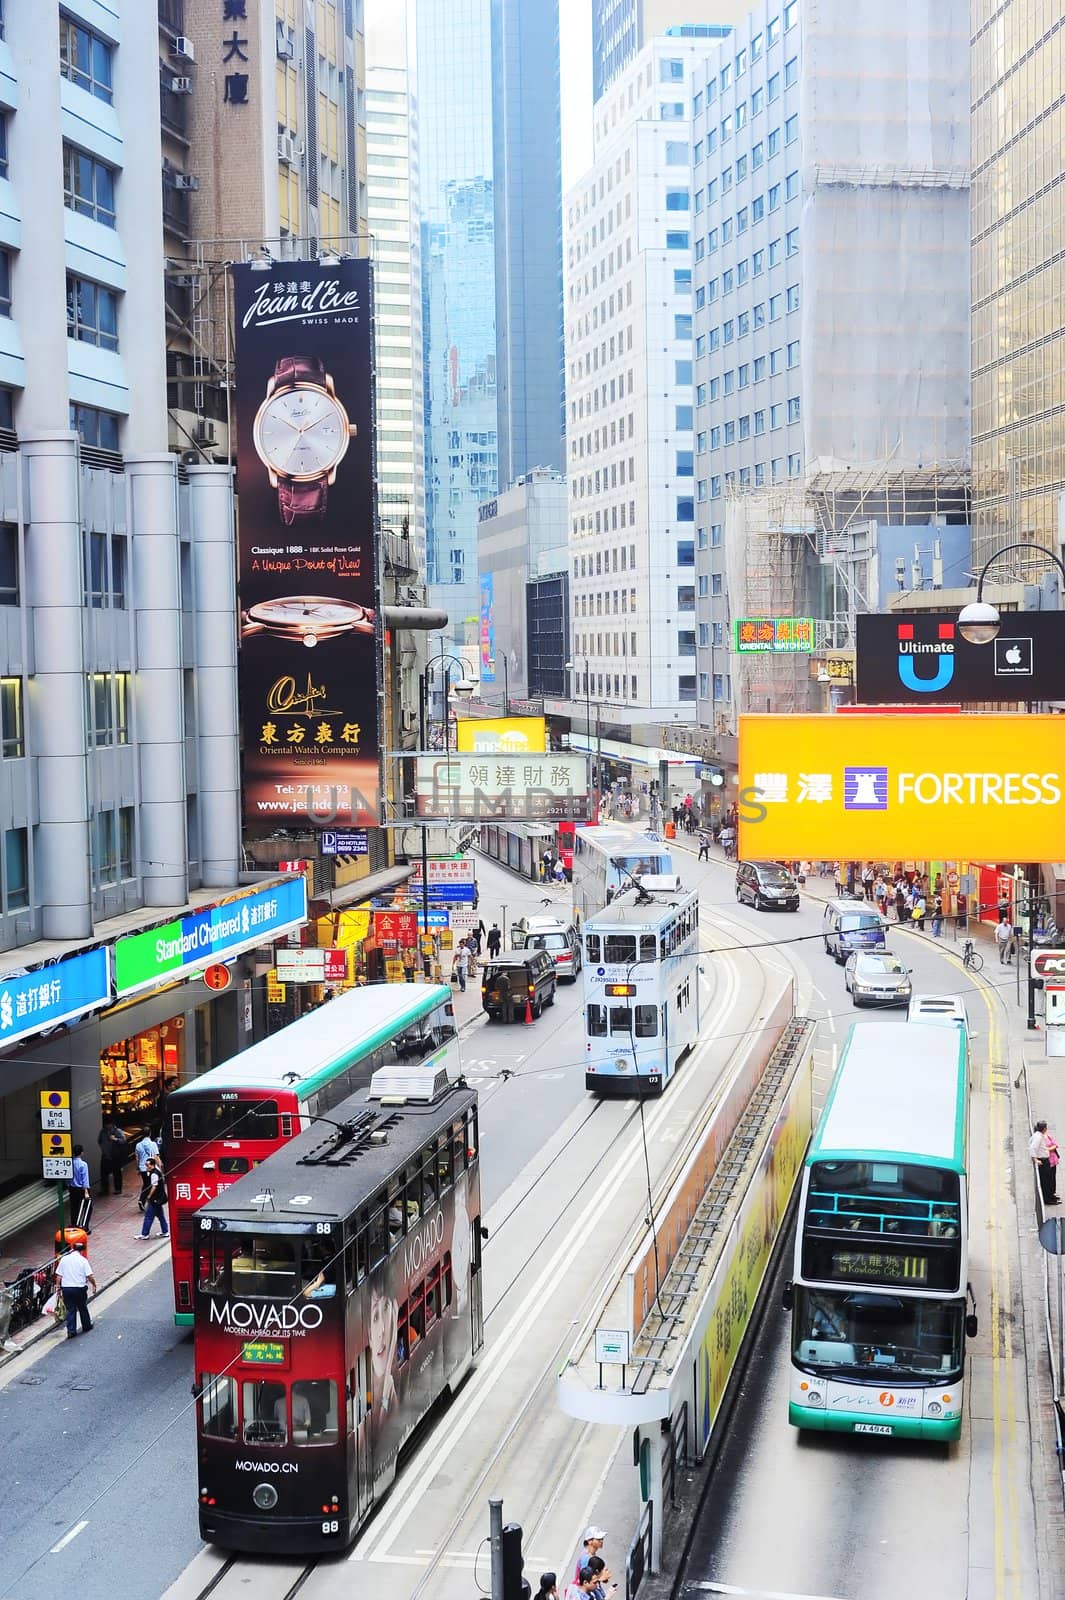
column 31, row 1002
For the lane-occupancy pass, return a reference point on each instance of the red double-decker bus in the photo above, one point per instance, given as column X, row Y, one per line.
column 232, row 1118
column 338, row 1295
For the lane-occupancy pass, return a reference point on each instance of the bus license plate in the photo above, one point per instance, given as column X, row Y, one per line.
column 873, row 1427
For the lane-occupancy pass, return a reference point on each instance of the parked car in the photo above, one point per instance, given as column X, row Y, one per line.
column 767, row 886
column 879, row 979
column 529, row 976
column 850, row 925
column 561, row 941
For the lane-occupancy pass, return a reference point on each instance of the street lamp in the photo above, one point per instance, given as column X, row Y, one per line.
column 979, row 623
column 571, row 666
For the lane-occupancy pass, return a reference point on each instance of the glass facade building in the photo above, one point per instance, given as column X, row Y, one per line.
column 1018, row 274
column 621, row 28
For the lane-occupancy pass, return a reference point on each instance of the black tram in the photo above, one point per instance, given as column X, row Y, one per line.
column 338, row 1295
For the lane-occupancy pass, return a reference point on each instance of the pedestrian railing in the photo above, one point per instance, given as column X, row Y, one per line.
column 638, row 1559
column 27, row 1294
column 674, row 1453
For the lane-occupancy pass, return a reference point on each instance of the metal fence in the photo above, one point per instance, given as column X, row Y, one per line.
column 674, row 1453
column 26, row 1295
column 638, row 1559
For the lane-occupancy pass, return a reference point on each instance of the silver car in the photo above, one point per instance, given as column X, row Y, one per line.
column 877, row 979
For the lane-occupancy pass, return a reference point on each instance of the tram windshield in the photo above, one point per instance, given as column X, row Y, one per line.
column 250, row 1265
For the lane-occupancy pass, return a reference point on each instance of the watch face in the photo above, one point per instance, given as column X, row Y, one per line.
column 307, row 612
column 301, row 432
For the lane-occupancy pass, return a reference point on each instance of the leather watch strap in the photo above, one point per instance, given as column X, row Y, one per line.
column 298, row 369
column 297, row 501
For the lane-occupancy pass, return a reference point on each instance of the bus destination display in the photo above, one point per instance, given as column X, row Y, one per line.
column 878, row 1266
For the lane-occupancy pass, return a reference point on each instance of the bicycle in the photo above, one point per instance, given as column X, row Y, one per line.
column 971, row 958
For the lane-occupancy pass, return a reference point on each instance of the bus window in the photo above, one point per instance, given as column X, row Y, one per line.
column 218, row 1406
column 648, row 947
column 618, row 947
column 646, row 1022
column 597, row 1022
column 619, row 1019
column 592, row 947
column 264, row 1265
column 265, row 1413
column 214, row 1118
column 314, row 1411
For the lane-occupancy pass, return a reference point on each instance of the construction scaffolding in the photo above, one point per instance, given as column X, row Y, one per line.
column 771, row 566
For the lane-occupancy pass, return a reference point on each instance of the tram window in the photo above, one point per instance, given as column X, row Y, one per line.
column 429, row 1180
column 395, row 1212
column 319, row 1272
column 417, row 1315
column 402, row 1336
column 379, row 1234
column 227, row 1119
column 218, row 1406
column 472, row 1141
column 413, row 1194
column 597, row 1022
column 314, row 1411
column 443, row 1162
column 432, row 1297
column 592, row 947
column 648, row 947
column 458, row 1146
column 619, row 1019
column 446, row 1280
column 265, row 1413
column 211, row 1264
column 646, row 1022
column 264, row 1265
column 619, row 947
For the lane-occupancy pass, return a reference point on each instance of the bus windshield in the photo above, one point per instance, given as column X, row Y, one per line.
column 214, row 1117
column 854, row 1333
column 852, row 921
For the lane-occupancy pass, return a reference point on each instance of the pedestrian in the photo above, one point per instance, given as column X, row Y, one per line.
column 478, row 936
column 462, row 964
column 80, row 1188
column 591, row 1544
column 1004, row 940
column 1039, row 1148
column 495, row 939
column 74, row 1277
column 918, row 912
column 143, row 1150
column 584, row 1584
column 560, row 871
column 112, row 1142
column 867, row 881
column 505, row 997
column 937, row 916
column 548, row 1589
column 604, row 1584
column 408, row 965
column 155, row 1204
column 704, row 845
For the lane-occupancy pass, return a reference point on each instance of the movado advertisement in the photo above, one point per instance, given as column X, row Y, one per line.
column 308, row 578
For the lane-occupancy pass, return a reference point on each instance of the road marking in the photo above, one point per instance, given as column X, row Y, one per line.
column 79, row 1527
column 754, row 1594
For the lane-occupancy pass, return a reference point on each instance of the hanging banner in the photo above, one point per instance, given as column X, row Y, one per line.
column 309, row 666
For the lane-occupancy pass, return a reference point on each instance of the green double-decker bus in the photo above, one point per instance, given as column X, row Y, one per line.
column 880, row 1295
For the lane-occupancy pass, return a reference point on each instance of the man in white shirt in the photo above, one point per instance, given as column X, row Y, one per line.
column 74, row 1276
column 1004, row 940
column 144, row 1149
column 1039, row 1149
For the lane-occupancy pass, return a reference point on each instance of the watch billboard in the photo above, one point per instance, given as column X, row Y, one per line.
column 921, row 659
column 309, row 653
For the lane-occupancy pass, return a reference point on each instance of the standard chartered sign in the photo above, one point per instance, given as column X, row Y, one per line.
column 886, row 787
column 183, row 947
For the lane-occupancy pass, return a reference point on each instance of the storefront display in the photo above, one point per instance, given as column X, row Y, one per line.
column 136, row 1073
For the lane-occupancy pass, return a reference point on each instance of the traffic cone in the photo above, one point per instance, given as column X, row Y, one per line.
column 528, row 1009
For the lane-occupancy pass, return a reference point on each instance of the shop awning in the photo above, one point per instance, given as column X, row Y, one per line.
column 355, row 894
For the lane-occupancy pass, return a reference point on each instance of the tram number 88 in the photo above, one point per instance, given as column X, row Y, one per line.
column 331, row 1527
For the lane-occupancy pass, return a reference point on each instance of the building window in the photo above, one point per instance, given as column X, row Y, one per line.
column 677, row 200
column 791, row 14
column 791, row 71
column 686, row 597
column 686, row 685
column 685, row 464
column 716, row 582
column 758, row 208
column 671, row 71
column 685, row 641
column 773, row 90
column 85, row 58
column 92, row 313
column 794, row 466
column 685, row 552
column 5, row 283
column 96, row 429
column 108, row 703
column 773, row 143
column 704, row 682
column 682, row 416
column 3, row 141
column 774, row 196
column 793, row 353
column 715, row 535
column 126, row 833
column 793, row 409
column 16, row 869
column 682, row 372
column 677, row 241
column 88, row 186
column 682, row 280
column 793, row 297
column 757, row 101
column 11, row 737
column 791, row 242
column 105, row 580
column 672, row 111
column 772, row 32
column 756, row 47
column 719, row 686
column 791, row 130
column 9, row 595
column 686, row 513
column 682, row 326
column 757, row 155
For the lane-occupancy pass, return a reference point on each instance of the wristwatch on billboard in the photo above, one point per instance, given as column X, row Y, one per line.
column 307, row 618
column 301, row 433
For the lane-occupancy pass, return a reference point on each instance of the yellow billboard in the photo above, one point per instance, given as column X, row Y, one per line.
column 885, row 787
column 498, row 736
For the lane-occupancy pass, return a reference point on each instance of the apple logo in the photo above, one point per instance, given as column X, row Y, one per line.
column 1013, row 655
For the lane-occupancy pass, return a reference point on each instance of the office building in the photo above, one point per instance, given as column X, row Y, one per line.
column 831, row 326
column 629, row 396
column 119, row 784
column 524, row 525
column 1018, row 324
column 621, row 28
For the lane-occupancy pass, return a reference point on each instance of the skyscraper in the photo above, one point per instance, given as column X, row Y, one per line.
column 621, row 28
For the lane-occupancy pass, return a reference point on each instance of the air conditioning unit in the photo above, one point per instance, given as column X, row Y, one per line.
column 286, row 149
column 183, row 48
column 204, row 432
column 185, row 180
column 185, row 280
column 181, row 85
column 286, row 43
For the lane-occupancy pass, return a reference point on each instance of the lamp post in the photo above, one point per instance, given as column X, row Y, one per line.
column 979, row 623
column 571, row 666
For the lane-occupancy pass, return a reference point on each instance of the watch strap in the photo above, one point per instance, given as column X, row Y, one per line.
column 299, row 369
column 297, row 501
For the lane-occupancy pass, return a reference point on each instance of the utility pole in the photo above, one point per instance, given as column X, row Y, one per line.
column 495, row 1543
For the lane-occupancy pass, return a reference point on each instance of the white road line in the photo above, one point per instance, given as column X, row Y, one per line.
column 754, row 1594
column 79, row 1527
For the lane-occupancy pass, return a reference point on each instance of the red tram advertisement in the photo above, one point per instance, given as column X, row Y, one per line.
column 338, row 1296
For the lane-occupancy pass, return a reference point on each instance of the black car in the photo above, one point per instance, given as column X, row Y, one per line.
column 515, row 978
column 767, row 886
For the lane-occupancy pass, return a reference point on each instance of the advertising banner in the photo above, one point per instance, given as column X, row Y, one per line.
column 33, row 1001
column 924, row 658
column 487, row 631
column 312, row 966
column 522, row 787
column 395, row 927
column 858, row 788
column 493, row 736
column 308, row 580
column 779, row 635
column 188, row 944
column 447, row 870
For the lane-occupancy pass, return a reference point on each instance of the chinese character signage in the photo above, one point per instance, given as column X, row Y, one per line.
column 446, row 871
column 784, row 635
column 856, row 788
column 309, row 665
column 518, row 787
column 501, row 735
column 188, row 944
column 395, row 927
column 921, row 659
column 235, row 52
column 312, row 966
column 33, row 1001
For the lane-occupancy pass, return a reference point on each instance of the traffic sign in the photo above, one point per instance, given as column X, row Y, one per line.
column 217, row 976
column 56, row 1145
column 55, row 1119
column 55, row 1100
column 57, row 1167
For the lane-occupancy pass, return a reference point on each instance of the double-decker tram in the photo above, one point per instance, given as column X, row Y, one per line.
column 608, row 859
column 879, row 1298
column 338, row 1295
column 641, row 987
column 229, row 1120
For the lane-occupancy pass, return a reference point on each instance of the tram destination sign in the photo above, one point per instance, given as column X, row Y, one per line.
column 518, row 788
